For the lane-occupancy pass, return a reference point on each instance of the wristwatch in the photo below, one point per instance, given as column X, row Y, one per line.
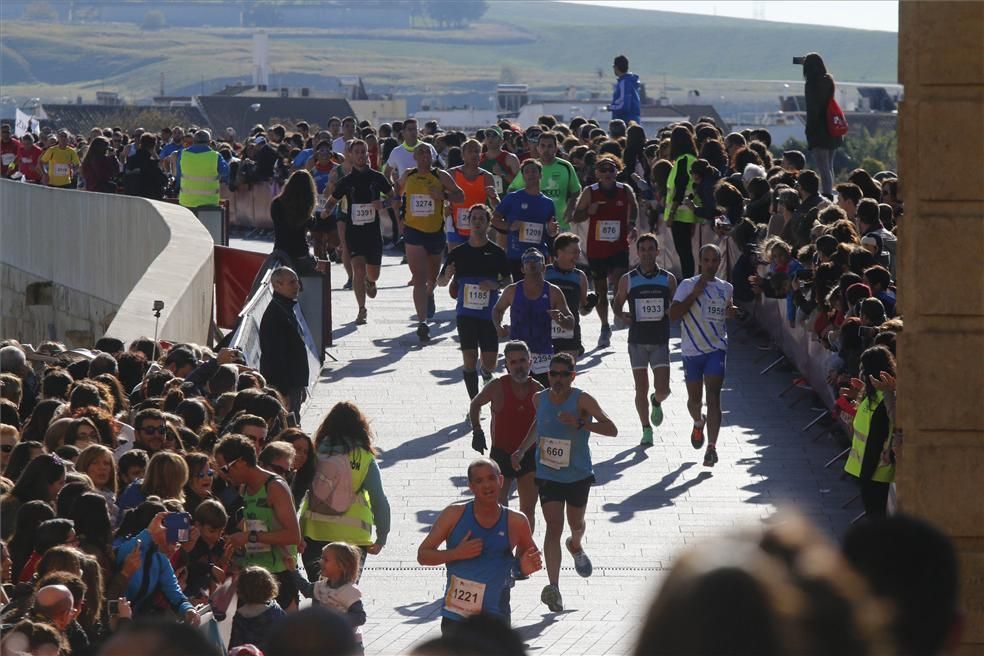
column 253, row 537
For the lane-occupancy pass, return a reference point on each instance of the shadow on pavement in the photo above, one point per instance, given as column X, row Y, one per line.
column 533, row 631
column 657, row 495
column 420, row 612
column 611, row 469
column 422, row 447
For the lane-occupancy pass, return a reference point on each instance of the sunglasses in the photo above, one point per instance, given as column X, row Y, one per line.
column 226, row 467
column 150, row 430
column 206, row 473
column 561, row 374
column 280, row 470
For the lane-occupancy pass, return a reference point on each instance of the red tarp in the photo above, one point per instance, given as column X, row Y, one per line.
column 235, row 270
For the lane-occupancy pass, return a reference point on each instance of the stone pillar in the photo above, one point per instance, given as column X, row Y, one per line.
column 941, row 278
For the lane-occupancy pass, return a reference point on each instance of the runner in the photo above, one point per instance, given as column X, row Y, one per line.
column 574, row 284
column 559, row 179
column 488, row 547
column 425, row 188
column 363, row 189
column 402, row 157
column 59, row 165
column 702, row 304
column 610, row 208
column 479, row 269
column 513, row 413
column 502, row 164
column 649, row 291
column 533, row 303
column 526, row 217
column 565, row 418
column 479, row 188
column 341, row 213
column 348, row 133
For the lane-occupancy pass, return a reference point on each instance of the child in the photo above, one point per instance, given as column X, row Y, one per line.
column 132, row 466
column 336, row 588
column 205, row 554
column 258, row 608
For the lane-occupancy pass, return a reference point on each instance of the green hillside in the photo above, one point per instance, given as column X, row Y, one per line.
column 545, row 44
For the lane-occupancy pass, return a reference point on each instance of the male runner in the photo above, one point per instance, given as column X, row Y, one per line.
column 574, row 284
column 702, row 304
column 533, row 303
column 560, row 182
column 513, row 413
column 363, row 188
column 402, row 157
column 502, row 164
column 610, row 209
column 565, row 418
column 527, row 218
column 478, row 187
column 480, row 270
column 488, row 547
column 348, row 133
column 649, row 290
column 425, row 188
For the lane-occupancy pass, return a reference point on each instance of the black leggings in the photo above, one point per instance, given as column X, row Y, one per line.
column 874, row 496
column 682, row 234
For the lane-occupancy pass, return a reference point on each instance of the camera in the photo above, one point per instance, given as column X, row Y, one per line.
column 178, row 527
column 158, row 306
column 113, row 607
column 798, row 61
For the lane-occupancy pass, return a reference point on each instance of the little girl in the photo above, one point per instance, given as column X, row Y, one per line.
column 258, row 608
column 336, row 587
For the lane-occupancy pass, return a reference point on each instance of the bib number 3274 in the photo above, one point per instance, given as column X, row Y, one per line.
column 421, row 205
column 464, row 597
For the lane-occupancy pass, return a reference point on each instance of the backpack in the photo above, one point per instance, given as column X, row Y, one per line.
column 331, row 490
column 836, row 121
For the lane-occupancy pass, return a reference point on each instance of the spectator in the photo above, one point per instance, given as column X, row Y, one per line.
column 159, row 638
column 336, row 586
column 149, row 430
column 257, row 610
column 166, row 477
column 206, row 555
column 94, row 529
column 100, row 167
column 9, row 437
column 819, row 90
column 21, row 544
column 283, row 354
column 291, row 213
column 30, row 637
column 305, row 462
column 200, row 477
column 793, row 161
column 41, row 480
column 142, row 175
column 311, row 632
column 625, row 103
column 679, row 218
column 204, row 171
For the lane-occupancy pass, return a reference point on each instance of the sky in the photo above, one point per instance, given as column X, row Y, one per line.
column 882, row 15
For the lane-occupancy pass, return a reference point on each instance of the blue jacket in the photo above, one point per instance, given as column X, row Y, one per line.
column 160, row 574
column 625, row 101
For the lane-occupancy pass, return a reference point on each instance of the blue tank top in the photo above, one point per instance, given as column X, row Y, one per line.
column 480, row 584
column 569, row 283
column 562, row 452
column 649, row 305
column 529, row 320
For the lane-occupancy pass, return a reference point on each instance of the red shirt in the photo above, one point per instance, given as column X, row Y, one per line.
column 27, row 162
column 9, row 151
column 512, row 421
column 608, row 230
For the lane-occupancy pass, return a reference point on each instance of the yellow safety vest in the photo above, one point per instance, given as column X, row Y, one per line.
column 683, row 214
column 353, row 526
column 885, row 471
column 421, row 211
column 199, row 179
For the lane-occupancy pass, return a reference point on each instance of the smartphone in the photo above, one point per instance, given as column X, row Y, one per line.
column 113, row 605
column 798, row 61
column 178, row 526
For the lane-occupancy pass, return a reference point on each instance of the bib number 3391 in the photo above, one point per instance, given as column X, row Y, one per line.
column 464, row 597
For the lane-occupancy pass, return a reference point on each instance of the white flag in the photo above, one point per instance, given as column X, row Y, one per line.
column 24, row 123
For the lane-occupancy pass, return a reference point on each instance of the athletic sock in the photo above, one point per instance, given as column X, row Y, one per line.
column 471, row 382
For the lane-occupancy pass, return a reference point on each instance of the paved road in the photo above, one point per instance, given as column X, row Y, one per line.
column 647, row 504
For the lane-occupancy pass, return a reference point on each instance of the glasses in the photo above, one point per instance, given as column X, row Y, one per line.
column 561, row 374
column 150, row 430
column 226, row 467
column 206, row 473
column 6, row 448
column 281, row 470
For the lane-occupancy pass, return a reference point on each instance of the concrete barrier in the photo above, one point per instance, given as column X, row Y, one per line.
column 78, row 265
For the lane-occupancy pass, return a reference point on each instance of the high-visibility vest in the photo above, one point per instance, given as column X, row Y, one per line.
column 199, row 179
column 885, row 471
column 354, row 525
column 683, row 214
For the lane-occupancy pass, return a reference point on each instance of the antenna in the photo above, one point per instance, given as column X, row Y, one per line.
column 162, row 83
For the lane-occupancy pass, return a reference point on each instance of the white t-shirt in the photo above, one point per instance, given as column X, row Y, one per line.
column 401, row 159
column 338, row 145
column 703, row 328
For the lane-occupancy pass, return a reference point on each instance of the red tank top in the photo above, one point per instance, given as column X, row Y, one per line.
column 512, row 421
column 608, row 231
column 475, row 194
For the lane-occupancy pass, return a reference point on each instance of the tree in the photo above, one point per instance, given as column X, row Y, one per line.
column 455, row 14
column 41, row 12
column 153, row 20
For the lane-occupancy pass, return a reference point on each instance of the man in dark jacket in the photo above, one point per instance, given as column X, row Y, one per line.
column 142, row 175
column 283, row 354
column 625, row 103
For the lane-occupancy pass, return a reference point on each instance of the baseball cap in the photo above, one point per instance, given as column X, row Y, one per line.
column 533, row 133
column 494, row 129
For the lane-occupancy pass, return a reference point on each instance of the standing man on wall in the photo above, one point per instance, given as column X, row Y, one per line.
column 200, row 172
column 283, row 355
column 625, row 103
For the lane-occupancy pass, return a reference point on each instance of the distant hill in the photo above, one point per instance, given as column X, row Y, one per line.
column 547, row 45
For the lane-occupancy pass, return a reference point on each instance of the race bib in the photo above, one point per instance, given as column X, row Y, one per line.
column 421, row 205
column 714, row 309
column 559, row 332
column 257, row 525
column 540, row 362
column 61, row 170
column 464, row 218
column 530, row 233
column 363, row 214
column 555, row 454
column 7, row 158
column 497, row 181
column 649, row 309
column 464, row 597
column 476, row 298
column 608, row 230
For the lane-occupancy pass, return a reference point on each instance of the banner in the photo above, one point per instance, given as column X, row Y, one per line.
column 24, row 123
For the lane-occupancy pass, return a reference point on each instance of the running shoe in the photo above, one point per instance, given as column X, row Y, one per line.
column 710, row 456
column 605, row 339
column 656, row 414
column 486, row 377
column 423, row 332
column 582, row 564
column 647, row 436
column 697, row 435
column 551, row 597
column 348, row 284
column 431, row 306
column 360, row 319
column 370, row 289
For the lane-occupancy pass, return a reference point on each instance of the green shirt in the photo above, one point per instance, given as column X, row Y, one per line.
column 558, row 182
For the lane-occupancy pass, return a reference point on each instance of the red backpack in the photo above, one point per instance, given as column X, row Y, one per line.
column 836, row 121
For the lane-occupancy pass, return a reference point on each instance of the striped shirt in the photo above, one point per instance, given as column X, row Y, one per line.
column 703, row 328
